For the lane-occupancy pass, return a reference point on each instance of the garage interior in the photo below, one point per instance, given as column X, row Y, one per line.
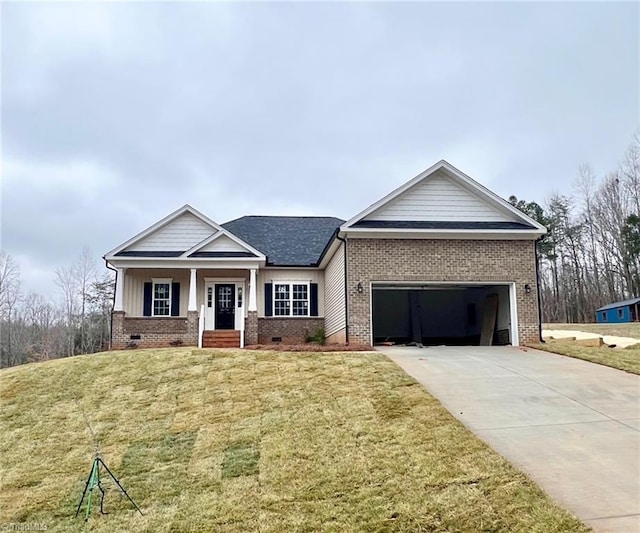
column 435, row 315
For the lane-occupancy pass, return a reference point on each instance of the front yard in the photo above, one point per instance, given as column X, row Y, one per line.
column 252, row 441
column 627, row 359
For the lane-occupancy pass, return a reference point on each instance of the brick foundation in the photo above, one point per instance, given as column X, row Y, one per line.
column 440, row 260
column 153, row 331
column 291, row 330
column 251, row 328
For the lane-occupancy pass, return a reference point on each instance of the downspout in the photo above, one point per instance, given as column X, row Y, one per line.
column 346, row 302
column 535, row 246
column 106, row 263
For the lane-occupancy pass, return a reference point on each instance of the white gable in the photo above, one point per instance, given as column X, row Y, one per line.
column 223, row 244
column 439, row 197
column 180, row 234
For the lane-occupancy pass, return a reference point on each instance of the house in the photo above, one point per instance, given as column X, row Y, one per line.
column 439, row 260
column 617, row 312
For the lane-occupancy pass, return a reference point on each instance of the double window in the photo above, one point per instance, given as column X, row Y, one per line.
column 291, row 299
column 161, row 302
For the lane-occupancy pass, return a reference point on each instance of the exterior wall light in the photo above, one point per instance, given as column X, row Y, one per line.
column 527, row 288
column 359, row 288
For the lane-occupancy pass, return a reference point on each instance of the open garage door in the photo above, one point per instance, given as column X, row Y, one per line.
column 444, row 314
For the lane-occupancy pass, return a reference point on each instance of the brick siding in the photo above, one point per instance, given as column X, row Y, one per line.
column 440, row 260
column 291, row 330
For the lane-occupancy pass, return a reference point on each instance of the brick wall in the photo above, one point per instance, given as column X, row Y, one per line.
column 251, row 328
column 440, row 260
column 153, row 331
column 292, row 330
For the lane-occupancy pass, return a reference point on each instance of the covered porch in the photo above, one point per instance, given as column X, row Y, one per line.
column 204, row 307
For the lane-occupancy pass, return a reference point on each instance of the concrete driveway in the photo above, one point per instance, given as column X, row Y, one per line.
column 573, row 426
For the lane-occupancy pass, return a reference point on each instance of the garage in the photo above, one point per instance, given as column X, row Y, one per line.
column 460, row 314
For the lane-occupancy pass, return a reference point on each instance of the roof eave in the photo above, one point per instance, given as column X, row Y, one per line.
column 531, row 234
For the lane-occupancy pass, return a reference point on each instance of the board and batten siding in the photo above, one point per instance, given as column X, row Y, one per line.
column 292, row 275
column 179, row 235
column 134, row 288
column 439, row 198
column 335, row 294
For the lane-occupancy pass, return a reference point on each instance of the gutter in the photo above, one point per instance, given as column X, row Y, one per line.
column 106, row 263
column 346, row 293
column 535, row 247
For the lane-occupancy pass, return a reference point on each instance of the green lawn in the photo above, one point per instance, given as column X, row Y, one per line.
column 620, row 330
column 252, row 441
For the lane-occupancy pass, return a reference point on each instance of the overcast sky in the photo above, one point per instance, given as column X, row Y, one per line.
column 114, row 115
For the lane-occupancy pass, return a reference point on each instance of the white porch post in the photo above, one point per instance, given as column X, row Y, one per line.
column 253, row 299
column 118, row 302
column 193, row 306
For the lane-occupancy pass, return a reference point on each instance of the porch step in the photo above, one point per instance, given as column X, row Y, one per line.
column 221, row 338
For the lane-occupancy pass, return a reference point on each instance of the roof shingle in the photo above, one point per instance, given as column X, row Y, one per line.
column 286, row 241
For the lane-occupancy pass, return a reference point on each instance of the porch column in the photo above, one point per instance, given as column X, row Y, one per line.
column 118, row 304
column 253, row 299
column 193, row 306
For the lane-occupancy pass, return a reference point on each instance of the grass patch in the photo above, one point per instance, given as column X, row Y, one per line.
column 237, row 441
column 240, row 459
column 622, row 359
column 618, row 330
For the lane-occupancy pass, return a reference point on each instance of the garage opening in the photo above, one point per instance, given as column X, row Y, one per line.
column 434, row 315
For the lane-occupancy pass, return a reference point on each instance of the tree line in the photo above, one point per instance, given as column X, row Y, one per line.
column 74, row 320
column 590, row 256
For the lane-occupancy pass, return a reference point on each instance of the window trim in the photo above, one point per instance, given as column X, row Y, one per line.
column 291, row 283
column 161, row 281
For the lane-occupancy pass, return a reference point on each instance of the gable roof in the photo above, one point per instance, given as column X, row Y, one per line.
column 183, row 233
column 287, row 241
column 223, row 243
column 443, row 198
column 623, row 303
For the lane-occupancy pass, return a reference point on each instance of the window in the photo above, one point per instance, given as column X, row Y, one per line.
column 161, row 303
column 621, row 313
column 604, row 316
column 291, row 299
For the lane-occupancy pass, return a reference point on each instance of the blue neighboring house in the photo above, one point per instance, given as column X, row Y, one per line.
column 617, row 312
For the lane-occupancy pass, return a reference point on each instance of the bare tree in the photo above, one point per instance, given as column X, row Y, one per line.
column 66, row 281
column 84, row 273
column 9, row 298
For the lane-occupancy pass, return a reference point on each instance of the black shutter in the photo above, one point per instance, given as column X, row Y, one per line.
column 146, row 306
column 313, row 306
column 268, row 299
column 175, row 299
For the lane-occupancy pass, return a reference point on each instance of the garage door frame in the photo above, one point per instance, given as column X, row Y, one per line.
column 513, row 306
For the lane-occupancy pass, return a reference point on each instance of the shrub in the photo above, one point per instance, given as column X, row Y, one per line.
column 318, row 336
